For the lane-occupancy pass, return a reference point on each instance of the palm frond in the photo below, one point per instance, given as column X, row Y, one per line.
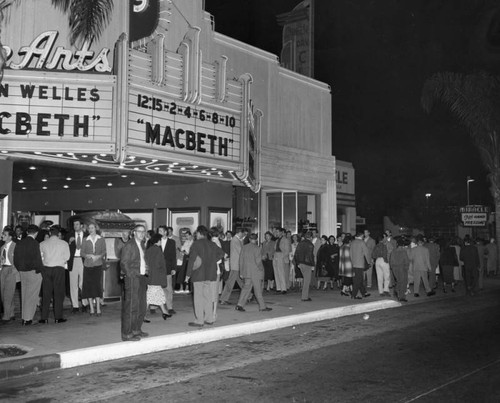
column 474, row 99
column 63, row 5
column 88, row 19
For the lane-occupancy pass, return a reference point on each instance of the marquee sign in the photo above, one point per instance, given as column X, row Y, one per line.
column 61, row 106
column 163, row 123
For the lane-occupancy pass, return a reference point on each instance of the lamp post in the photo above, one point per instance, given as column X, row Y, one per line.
column 469, row 180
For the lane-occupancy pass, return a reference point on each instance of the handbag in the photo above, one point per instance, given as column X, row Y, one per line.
column 323, row 272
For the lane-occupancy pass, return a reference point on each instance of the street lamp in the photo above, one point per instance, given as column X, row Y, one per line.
column 427, row 195
column 469, row 180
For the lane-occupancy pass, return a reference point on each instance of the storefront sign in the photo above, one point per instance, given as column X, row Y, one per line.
column 46, row 56
column 345, row 179
column 474, row 216
column 46, row 108
column 163, row 123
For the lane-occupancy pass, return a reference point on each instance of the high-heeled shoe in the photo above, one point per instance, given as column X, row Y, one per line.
column 165, row 316
column 344, row 294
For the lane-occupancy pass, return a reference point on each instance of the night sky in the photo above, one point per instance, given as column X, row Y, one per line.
column 376, row 57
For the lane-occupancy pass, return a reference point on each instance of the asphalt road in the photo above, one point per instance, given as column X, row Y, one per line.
column 447, row 350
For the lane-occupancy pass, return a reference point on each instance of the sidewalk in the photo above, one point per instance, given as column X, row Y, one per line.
column 85, row 340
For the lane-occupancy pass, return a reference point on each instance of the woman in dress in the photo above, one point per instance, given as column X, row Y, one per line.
column 345, row 266
column 93, row 252
column 322, row 259
column 268, row 247
column 157, row 274
column 333, row 261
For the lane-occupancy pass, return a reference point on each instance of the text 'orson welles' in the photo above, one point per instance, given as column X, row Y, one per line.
column 53, row 97
column 187, row 139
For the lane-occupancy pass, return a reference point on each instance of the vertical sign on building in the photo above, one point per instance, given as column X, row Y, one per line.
column 297, row 52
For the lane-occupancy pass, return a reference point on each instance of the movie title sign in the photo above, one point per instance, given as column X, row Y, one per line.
column 162, row 123
column 42, row 53
column 57, row 107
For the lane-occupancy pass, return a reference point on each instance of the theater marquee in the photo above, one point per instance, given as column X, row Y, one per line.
column 36, row 106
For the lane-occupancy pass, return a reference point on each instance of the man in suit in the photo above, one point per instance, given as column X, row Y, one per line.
column 8, row 275
column 134, row 268
column 169, row 248
column 370, row 243
column 28, row 261
column 234, row 266
column 202, row 269
column 281, row 262
column 360, row 257
column 252, row 272
column 75, row 264
column 420, row 259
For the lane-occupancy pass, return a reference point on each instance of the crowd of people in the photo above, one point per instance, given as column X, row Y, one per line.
column 52, row 263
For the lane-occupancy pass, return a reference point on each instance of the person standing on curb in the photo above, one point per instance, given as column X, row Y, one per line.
column 360, row 258
column 370, row 243
column 28, row 262
column 470, row 259
column 400, row 264
column 252, row 273
column 8, row 274
column 234, row 265
column 419, row 258
column 55, row 255
column 135, row 283
column 202, row 269
column 304, row 259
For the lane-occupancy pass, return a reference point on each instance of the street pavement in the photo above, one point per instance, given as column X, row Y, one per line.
column 85, row 339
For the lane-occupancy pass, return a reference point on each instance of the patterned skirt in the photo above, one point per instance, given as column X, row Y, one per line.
column 155, row 295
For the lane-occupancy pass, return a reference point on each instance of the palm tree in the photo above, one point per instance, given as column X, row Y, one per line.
column 475, row 100
column 87, row 20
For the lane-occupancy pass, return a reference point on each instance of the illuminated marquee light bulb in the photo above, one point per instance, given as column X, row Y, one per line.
column 20, row 181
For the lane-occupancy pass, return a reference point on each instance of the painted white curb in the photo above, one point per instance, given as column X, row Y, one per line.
column 119, row 350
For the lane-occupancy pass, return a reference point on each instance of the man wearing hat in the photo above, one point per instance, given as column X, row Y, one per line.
column 28, row 261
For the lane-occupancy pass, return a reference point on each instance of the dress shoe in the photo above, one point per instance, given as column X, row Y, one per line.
column 62, row 320
column 146, row 321
column 209, row 323
column 141, row 334
column 266, row 309
column 43, row 321
column 165, row 316
column 75, row 310
column 356, row 298
column 131, row 338
column 239, row 308
column 194, row 324
column 307, row 299
column 283, row 292
column 367, row 294
column 26, row 322
column 416, row 295
column 171, row 312
column 431, row 293
column 225, row 303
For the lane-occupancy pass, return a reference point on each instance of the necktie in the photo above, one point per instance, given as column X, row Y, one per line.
column 4, row 256
column 78, row 241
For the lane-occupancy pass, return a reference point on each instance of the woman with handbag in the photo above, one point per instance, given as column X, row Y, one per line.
column 93, row 252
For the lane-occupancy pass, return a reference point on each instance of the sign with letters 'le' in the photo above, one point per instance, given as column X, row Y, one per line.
column 474, row 216
column 55, row 106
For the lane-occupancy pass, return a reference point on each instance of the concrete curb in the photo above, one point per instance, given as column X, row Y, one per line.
column 91, row 355
column 119, row 350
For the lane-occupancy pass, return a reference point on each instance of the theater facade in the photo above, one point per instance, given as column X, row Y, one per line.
column 162, row 118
